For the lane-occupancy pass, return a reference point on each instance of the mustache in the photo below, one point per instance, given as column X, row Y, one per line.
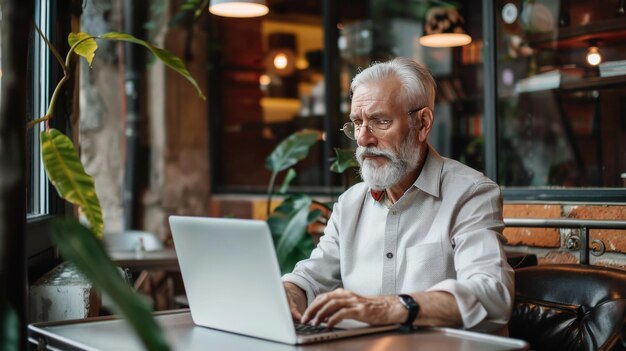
column 369, row 151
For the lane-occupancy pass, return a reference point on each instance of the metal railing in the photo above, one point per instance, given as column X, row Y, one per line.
column 573, row 242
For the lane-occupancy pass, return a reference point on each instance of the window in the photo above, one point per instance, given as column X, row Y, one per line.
column 561, row 119
column 258, row 104
column 271, row 83
column 43, row 203
column 560, row 142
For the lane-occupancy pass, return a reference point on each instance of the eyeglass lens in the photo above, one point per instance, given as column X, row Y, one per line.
column 352, row 132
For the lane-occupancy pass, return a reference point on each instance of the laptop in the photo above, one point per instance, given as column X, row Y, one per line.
column 232, row 280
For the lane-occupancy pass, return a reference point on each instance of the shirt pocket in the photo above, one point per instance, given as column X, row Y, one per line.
column 425, row 266
column 431, row 252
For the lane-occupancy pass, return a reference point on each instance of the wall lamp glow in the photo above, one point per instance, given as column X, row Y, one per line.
column 593, row 56
column 239, row 8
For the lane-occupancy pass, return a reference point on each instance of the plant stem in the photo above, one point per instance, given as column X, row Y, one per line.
column 200, row 10
column 66, row 77
column 38, row 120
column 57, row 89
column 55, row 95
column 52, row 48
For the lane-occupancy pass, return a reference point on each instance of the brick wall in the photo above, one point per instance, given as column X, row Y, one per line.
column 550, row 244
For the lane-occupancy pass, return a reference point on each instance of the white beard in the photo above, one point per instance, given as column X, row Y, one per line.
column 380, row 177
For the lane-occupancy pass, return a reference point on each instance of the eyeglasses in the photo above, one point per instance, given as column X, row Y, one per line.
column 376, row 126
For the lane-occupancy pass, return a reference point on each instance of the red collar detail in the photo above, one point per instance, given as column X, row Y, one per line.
column 378, row 195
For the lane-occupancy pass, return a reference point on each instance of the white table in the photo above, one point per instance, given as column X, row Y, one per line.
column 109, row 333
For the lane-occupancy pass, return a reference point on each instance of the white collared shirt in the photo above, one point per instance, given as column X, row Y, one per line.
column 443, row 234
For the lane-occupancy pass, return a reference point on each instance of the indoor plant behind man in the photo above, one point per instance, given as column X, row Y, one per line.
column 419, row 242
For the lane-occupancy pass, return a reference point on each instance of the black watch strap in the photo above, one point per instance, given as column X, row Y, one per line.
column 412, row 306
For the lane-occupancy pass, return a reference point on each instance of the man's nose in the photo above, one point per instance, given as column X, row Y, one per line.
column 366, row 137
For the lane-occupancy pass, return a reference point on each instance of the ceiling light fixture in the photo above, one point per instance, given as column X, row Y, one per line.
column 239, row 8
column 444, row 27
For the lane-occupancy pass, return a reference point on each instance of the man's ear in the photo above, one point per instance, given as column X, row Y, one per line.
column 426, row 123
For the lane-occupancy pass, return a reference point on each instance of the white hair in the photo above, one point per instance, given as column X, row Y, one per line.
column 417, row 84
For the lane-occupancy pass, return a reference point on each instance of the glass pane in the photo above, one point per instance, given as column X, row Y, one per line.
column 258, row 104
column 270, row 80
column 392, row 29
column 37, row 185
column 561, row 117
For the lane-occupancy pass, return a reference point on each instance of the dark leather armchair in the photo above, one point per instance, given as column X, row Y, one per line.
column 570, row 307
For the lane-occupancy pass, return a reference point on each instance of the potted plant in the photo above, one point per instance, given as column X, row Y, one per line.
column 78, row 244
column 292, row 217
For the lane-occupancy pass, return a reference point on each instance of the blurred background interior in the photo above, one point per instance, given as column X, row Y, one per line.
column 536, row 100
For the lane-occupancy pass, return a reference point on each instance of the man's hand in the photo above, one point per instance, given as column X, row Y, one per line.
column 297, row 300
column 335, row 306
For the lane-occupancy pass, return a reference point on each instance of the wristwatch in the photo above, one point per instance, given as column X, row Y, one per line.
column 413, row 307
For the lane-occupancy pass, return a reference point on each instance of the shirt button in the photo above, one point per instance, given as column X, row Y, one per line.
column 393, row 213
column 389, row 255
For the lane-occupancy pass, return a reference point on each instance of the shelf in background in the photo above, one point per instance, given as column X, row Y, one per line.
column 579, row 36
column 594, row 83
column 587, row 83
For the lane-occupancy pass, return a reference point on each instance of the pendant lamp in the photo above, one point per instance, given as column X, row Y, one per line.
column 444, row 27
column 239, row 8
column 281, row 57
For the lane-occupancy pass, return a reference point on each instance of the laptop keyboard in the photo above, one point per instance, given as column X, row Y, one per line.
column 307, row 329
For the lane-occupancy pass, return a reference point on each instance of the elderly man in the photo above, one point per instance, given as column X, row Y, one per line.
column 419, row 241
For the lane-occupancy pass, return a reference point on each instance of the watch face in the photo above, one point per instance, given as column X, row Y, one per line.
column 411, row 305
column 408, row 301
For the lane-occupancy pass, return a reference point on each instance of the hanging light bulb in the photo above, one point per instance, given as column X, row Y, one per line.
column 265, row 80
column 281, row 61
column 239, row 8
column 281, row 57
column 593, row 56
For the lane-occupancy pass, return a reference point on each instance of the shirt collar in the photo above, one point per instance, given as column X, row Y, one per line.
column 429, row 179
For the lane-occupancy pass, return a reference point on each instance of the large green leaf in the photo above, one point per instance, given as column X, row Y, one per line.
column 87, row 47
column 290, row 176
column 167, row 57
column 291, row 150
column 78, row 245
column 314, row 215
column 300, row 252
column 288, row 224
column 68, row 176
column 346, row 159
